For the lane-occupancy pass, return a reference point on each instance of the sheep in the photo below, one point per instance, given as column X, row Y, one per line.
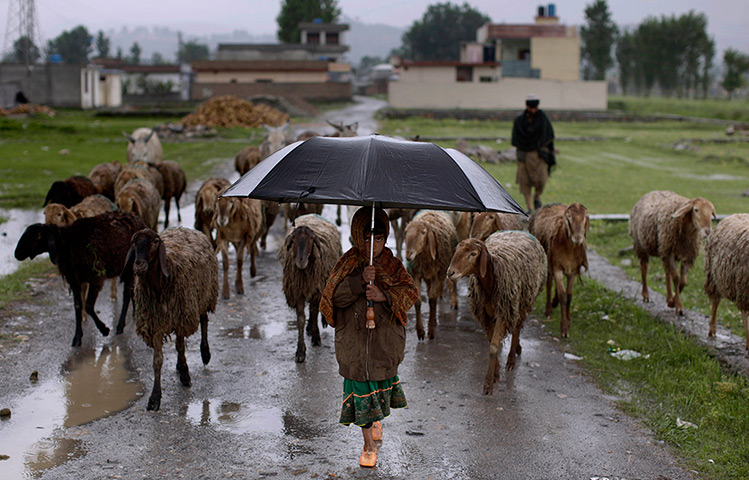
column 175, row 285
column 139, row 170
column 563, row 232
column 462, row 222
column 87, row 251
column 486, row 223
column 247, row 158
column 306, row 135
column 399, row 218
column 275, row 140
column 70, row 191
column 238, row 221
column 205, row 205
column 103, row 177
column 140, row 197
column 430, row 244
column 144, row 145
column 309, row 252
column 342, row 130
column 726, row 268
column 669, row 226
column 175, row 183
column 507, row 274
column 293, row 210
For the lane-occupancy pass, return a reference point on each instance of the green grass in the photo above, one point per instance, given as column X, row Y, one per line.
column 38, row 151
column 735, row 109
column 679, row 379
column 14, row 287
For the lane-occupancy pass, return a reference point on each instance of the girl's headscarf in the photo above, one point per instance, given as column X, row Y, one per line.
column 390, row 275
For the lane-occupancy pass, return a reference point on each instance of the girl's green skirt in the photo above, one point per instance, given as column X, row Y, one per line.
column 367, row 402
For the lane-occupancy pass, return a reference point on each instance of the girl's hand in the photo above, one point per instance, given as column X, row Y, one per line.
column 368, row 274
column 375, row 294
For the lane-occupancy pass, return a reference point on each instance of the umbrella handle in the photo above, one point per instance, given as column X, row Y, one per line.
column 370, row 303
column 370, row 314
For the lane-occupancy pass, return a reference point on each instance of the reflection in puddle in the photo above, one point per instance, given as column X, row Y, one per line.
column 258, row 332
column 11, row 231
column 95, row 385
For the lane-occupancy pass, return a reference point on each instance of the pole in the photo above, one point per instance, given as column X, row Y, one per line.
column 370, row 303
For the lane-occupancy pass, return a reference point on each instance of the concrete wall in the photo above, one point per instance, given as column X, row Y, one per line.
column 327, row 91
column 56, row 85
column 252, row 77
column 508, row 93
column 556, row 58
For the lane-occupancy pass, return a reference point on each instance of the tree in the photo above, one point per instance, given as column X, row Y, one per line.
column 438, row 34
column 102, row 45
column 24, row 51
column 135, row 52
column 295, row 11
column 119, row 53
column 598, row 36
column 158, row 59
column 626, row 58
column 192, row 51
column 367, row 63
column 73, row 46
column 736, row 67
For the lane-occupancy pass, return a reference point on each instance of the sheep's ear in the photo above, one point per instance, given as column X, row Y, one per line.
column 127, row 270
column 587, row 226
column 715, row 216
column 149, row 136
column 130, row 139
column 483, row 262
column 51, row 246
column 683, row 210
column 432, row 244
column 354, row 126
column 69, row 216
column 162, row 259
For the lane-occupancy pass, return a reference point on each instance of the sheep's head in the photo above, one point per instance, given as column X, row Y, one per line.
column 484, row 224
column 344, row 130
column 58, row 214
column 301, row 243
column 226, row 207
column 470, row 258
column 420, row 238
column 146, row 250
column 700, row 212
column 138, row 148
column 276, row 138
column 36, row 239
column 577, row 223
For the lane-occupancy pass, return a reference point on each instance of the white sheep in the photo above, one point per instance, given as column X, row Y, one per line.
column 507, row 274
column 727, row 268
column 666, row 225
column 144, row 145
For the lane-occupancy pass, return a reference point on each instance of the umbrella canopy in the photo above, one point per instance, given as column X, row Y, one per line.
column 375, row 170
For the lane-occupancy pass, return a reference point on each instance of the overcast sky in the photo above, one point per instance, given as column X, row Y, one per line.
column 728, row 19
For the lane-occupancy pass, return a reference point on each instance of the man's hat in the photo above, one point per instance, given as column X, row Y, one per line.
column 531, row 100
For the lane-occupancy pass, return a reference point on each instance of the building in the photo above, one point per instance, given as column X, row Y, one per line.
column 144, row 83
column 503, row 65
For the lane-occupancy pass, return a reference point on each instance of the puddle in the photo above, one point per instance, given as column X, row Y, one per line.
column 235, row 417
column 95, row 384
column 258, row 332
column 11, row 231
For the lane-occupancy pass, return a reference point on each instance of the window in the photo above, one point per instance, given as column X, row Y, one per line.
column 313, row 38
column 524, row 54
column 487, row 79
column 331, row 38
column 464, row 74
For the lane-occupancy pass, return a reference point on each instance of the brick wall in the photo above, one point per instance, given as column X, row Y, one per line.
column 328, row 91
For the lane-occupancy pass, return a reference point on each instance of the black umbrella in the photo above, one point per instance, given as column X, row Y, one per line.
column 375, row 170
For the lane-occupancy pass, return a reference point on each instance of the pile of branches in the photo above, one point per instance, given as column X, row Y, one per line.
column 28, row 109
column 231, row 111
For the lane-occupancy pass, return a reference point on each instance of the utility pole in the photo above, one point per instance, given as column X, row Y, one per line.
column 22, row 23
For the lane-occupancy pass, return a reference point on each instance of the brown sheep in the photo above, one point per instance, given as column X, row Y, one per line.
column 175, row 183
column 70, row 191
column 205, row 205
column 666, row 225
column 727, row 268
column 309, row 252
column 103, row 177
column 175, row 286
column 430, row 245
column 399, row 218
column 486, row 223
column 238, row 221
column 507, row 274
column 247, row 158
column 140, row 197
column 139, row 170
column 291, row 211
column 306, row 135
column 563, row 232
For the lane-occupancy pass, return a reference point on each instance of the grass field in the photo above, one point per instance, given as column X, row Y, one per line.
column 735, row 109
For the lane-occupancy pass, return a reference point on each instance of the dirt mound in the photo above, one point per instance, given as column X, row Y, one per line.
column 231, row 111
column 28, row 109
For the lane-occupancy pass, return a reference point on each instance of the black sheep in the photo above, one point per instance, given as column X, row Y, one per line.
column 70, row 191
column 89, row 250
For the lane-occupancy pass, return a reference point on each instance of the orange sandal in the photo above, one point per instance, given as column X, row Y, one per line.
column 368, row 459
column 377, row 431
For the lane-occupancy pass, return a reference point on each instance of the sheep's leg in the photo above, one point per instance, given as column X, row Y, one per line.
column 453, row 294
column 514, row 348
column 179, row 215
column 238, row 283
column 549, row 282
column 567, row 306
column 205, row 350
column 253, row 254
column 127, row 295
column 113, row 290
column 432, row 317
column 167, row 203
column 338, row 215
column 644, row 277
column 225, row 260
column 714, row 319
column 683, row 276
column 84, row 295
column 184, row 371
column 495, row 347
column 561, row 294
column 93, row 293
column 672, row 278
column 314, row 307
column 417, row 305
column 78, row 302
column 154, row 401
column 301, row 349
column 745, row 320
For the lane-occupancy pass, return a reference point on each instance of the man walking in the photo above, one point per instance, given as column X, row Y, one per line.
column 533, row 136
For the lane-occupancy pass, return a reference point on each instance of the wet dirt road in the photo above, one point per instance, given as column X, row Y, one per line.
column 255, row 413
